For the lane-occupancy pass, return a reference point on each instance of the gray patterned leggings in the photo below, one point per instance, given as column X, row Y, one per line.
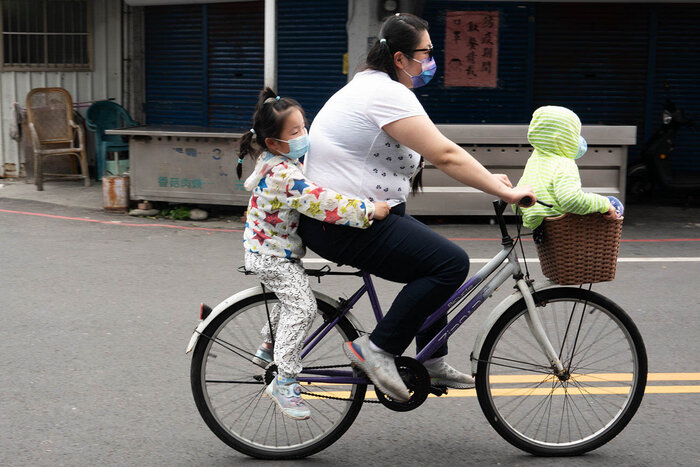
column 291, row 318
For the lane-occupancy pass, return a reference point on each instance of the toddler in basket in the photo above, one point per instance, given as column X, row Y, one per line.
column 555, row 134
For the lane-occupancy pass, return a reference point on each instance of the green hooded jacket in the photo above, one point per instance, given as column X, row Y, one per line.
column 551, row 170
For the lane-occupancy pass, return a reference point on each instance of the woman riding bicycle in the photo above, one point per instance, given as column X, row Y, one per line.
column 368, row 141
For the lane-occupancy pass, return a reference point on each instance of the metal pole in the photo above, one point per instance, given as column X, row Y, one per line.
column 271, row 44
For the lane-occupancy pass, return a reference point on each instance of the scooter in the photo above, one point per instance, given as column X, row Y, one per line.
column 655, row 169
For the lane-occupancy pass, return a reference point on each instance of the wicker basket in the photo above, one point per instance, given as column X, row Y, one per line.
column 580, row 249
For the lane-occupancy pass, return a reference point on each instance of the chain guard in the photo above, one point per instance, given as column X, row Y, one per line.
column 416, row 379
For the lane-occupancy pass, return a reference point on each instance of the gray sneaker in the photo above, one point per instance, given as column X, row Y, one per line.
column 442, row 374
column 379, row 367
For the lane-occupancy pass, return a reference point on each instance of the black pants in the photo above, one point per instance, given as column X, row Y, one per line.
column 399, row 249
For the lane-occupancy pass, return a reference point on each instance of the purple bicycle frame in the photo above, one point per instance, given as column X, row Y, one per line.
column 511, row 268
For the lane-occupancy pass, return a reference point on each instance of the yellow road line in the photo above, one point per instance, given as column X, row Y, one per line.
column 572, row 391
column 583, row 378
column 543, row 391
column 597, row 377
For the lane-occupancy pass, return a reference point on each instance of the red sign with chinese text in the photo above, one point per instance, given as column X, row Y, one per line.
column 471, row 49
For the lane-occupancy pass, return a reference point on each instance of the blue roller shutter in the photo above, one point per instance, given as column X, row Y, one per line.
column 236, row 62
column 678, row 63
column 311, row 41
column 593, row 59
column 507, row 103
column 204, row 63
column 174, row 65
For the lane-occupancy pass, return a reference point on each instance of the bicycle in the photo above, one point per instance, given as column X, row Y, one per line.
column 559, row 370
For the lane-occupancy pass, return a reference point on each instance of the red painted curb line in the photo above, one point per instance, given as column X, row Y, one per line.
column 207, row 229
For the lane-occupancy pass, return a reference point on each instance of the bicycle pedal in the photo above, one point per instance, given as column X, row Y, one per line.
column 438, row 390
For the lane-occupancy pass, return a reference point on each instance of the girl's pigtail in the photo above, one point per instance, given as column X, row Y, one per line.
column 245, row 148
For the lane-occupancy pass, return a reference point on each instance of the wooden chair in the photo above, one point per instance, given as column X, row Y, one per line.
column 53, row 131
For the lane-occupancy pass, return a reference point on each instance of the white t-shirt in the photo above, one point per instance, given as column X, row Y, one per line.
column 350, row 153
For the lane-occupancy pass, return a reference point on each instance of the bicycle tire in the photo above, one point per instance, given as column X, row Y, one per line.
column 501, row 365
column 221, row 423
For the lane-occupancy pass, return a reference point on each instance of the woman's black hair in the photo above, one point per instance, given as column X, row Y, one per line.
column 268, row 120
column 399, row 33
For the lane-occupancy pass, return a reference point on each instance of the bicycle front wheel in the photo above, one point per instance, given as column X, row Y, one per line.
column 228, row 387
column 544, row 414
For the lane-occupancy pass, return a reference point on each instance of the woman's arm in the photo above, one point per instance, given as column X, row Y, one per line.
column 420, row 134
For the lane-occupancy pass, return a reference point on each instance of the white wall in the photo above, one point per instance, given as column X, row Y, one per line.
column 103, row 82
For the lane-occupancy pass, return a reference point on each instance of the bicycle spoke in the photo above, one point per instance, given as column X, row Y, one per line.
column 543, row 370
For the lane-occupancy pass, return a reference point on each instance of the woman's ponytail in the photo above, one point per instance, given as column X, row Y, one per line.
column 381, row 58
column 417, row 180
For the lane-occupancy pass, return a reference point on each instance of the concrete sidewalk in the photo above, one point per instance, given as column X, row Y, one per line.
column 69, row 193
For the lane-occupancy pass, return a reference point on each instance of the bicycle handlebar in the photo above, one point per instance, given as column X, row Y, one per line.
column 499, row 206
column 527, row 201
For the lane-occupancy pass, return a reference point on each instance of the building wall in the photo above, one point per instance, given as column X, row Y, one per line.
column 104, row 81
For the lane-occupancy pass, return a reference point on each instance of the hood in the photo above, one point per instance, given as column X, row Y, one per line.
column 265, row 162
column 555, row 131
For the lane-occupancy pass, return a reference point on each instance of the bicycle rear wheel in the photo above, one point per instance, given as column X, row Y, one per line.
column 542, row 414
column 228, row 387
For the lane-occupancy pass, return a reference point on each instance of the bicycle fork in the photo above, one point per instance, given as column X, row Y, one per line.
column 535, row 324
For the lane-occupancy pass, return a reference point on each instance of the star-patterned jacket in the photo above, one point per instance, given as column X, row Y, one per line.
column 281, row 193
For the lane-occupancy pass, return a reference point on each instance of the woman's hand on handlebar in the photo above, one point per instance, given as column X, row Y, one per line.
column 522, row 195
column 381, row 210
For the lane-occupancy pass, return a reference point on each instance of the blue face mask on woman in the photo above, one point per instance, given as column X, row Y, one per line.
column 428, row 66
column 297, row 146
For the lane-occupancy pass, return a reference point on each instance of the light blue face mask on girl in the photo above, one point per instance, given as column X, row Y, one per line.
column 582, row 147
column 297, row 146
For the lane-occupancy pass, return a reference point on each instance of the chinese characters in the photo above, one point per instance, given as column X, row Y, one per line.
column 471, row 49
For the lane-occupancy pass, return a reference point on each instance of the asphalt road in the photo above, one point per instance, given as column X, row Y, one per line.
column 97, row 310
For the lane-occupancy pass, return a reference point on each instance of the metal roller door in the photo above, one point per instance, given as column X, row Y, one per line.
column 174, row 71
column 677, row 62
column 593, row 59
column 204, row 63
column 235, row 62
column 311, row 40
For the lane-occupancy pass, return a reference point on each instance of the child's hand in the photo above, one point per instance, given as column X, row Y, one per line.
column 381, row 210
column 611, row 214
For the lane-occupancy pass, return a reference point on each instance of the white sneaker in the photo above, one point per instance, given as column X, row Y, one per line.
column 442, row 374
